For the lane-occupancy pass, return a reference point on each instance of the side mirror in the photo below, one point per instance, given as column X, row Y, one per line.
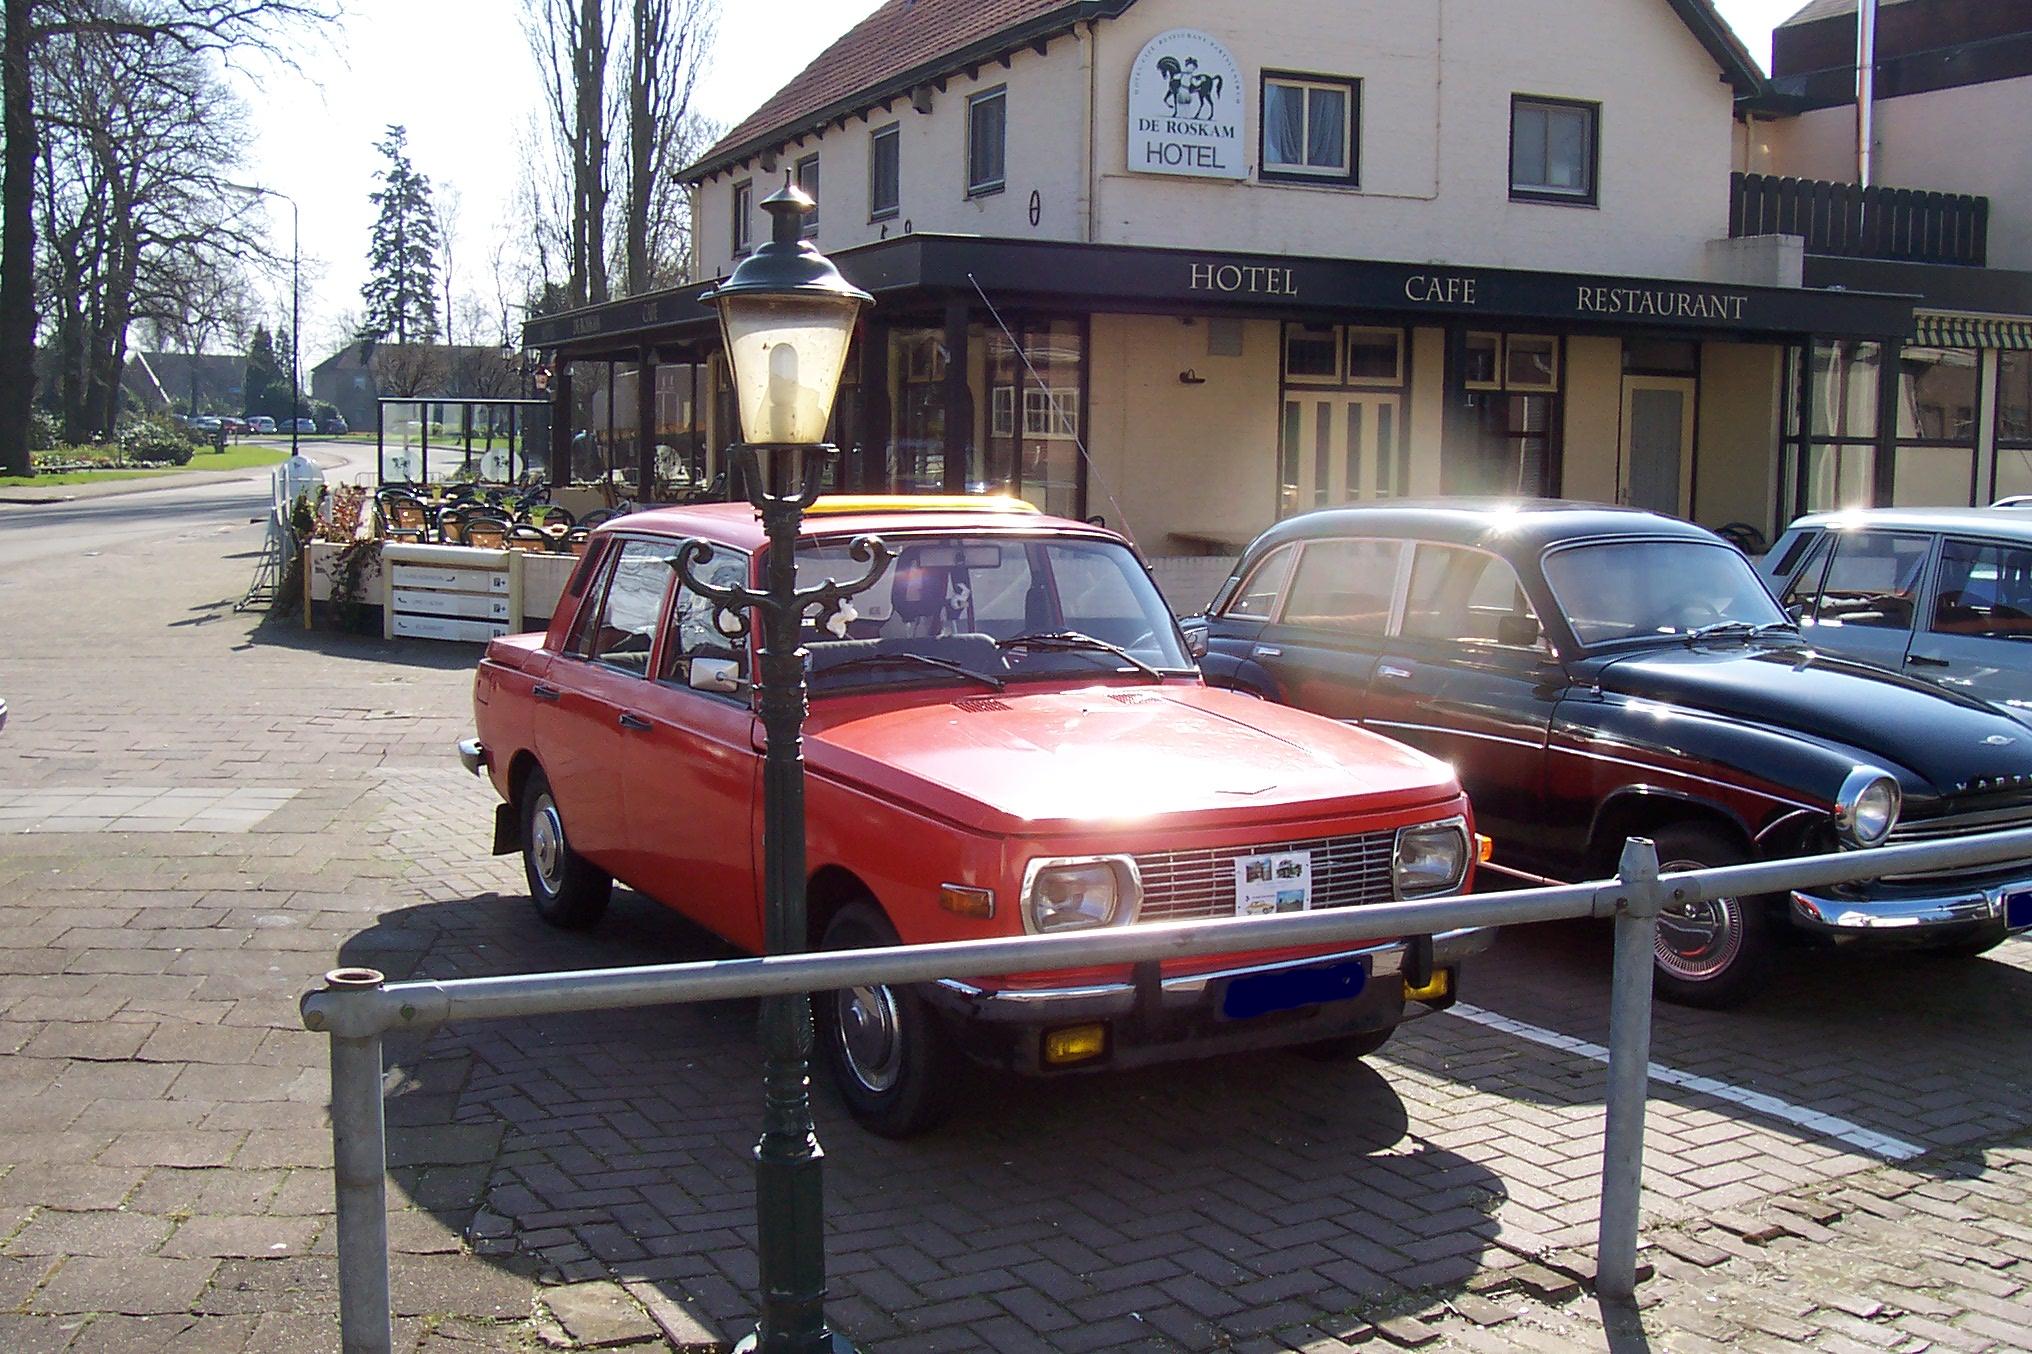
column 1519, row 632
column 716, row 674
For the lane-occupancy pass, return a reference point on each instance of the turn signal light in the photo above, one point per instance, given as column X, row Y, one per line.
column 963, row 901
column 1485, row 848
column 1075, row 1044
column 1439, row 989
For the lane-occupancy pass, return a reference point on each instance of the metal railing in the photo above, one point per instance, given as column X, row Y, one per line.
column 357, row 1007
column 1847, row 220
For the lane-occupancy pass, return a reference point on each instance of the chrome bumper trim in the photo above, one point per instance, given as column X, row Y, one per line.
column 471, row 755
column 1904, row 911
column 1186, row 989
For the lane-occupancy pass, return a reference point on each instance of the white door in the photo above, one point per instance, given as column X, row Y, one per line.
column 1657, row 459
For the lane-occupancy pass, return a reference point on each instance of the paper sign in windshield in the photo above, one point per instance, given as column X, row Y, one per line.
column 1265, row 885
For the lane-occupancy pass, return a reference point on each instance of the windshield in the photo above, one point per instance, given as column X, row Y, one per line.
column 997, row 608
column 1654, row 589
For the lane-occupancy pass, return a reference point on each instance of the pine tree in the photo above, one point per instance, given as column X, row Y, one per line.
column 265, row 389
column 401, row 289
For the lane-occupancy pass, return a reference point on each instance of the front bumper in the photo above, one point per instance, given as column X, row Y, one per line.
column 1155, row 1018
column 1929, row 912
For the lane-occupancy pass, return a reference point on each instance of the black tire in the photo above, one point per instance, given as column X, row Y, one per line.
column 1712, row 954
column 568, row 891
column 891, row 1060
column 1345, row 1048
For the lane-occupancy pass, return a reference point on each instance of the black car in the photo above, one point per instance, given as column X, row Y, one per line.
column 1596, row 673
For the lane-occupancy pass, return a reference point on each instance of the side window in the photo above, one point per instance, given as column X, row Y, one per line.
column 1465, row 595
column 1345, row 585
column 590, row 580
column 1256, row 599
column 632, row 607
column 1804, row 584
column 1873, row 580
column 694, row 630
column 1985, row 590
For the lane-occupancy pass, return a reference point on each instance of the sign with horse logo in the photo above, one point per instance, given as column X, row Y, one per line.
column 1185, row 108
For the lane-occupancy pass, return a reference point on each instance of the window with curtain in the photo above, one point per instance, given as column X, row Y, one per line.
column 1552, row 150
column 987, row 141
column 1310, row 128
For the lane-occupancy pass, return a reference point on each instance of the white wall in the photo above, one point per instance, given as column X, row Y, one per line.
column 1967, row 140
column 1437, row 79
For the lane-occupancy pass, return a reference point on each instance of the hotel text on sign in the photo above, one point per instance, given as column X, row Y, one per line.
column 1185, row 108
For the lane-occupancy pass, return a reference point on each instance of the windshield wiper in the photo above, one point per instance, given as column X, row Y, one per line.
column 1747, row 629
column 1073, row 641
column 942, row 664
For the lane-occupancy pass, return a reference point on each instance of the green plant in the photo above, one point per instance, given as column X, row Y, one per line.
column 349, row 571
column 155, row 442
column 44, row 431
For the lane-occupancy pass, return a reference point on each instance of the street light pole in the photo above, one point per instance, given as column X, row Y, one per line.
column 787, row 317
column 295, row 305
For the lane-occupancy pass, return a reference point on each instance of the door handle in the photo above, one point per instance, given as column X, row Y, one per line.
column 1392, row 670
column 631, row 720
column 1920, row 660
column 546, row 693
column 1266, row 651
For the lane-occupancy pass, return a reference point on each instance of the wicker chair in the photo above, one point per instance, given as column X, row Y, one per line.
column 597, row 516
column 534, row 540
column 577, row 539
column 487, row 532
column 404, row 518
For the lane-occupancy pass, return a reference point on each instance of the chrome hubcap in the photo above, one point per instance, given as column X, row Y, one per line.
column 869, row 1033
column 546, row 844
column 1698, row 941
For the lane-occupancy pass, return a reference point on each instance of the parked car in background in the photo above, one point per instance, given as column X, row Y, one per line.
column 299, row 425
column 1008, row 738
column 1600, row 673
column 261, row 423
column 334, row 426
column 1941, row 594
column 203, row 423
column 233, row 425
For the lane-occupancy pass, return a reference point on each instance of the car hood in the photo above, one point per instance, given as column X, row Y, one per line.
column 1948, row 740
column 1028, row 762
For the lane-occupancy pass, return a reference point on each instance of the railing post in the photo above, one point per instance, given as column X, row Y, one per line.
column 1629, row 1070
column 360, row 1161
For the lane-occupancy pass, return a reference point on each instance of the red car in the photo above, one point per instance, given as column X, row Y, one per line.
column 1009, row 737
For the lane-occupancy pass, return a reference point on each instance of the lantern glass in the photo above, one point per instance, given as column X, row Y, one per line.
column 787, row 352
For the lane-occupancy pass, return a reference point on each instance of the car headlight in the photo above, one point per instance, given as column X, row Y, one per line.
column 1867, row 808
column 1072, row 894
column 1431, row 858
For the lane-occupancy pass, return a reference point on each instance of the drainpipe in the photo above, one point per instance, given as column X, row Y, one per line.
column 1866, row 90
column 1087, row 38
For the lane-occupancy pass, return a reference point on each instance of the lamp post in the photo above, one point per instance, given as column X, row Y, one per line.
column 295, row 304
column 787, row 317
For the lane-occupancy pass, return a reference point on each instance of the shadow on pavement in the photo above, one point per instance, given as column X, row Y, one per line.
column 1176, row 1207
column 285, row 631
column 1878, row 1039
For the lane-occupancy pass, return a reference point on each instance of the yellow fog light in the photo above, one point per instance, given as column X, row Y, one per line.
column 963, row 901
column 1485, row 848
column 1439, row 989
column 1075, row 1044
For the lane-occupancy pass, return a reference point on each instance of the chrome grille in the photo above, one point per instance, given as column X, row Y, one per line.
column 1946, row 827
column 1346, row 872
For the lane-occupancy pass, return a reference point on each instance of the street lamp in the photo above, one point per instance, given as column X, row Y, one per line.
column 295, row 304
column 787, row 317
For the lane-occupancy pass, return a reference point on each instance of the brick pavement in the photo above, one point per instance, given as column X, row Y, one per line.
column 162, row 1117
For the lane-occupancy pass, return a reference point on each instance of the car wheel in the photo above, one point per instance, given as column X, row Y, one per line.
column 889, row 1057
column 1713, row 953
column 568, row 892
column 1345, row 1048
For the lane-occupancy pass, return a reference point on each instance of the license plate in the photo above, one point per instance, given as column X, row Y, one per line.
column 1263, row 993
column 2018, row 910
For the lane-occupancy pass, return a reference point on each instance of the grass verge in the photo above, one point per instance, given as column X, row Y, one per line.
column 232, row 458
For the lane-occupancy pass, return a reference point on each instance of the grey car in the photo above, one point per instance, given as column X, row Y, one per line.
column 1942, row 594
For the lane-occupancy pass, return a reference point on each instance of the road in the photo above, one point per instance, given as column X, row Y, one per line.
column 92, row 525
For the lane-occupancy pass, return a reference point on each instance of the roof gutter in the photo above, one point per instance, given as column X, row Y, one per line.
column 1062, row 20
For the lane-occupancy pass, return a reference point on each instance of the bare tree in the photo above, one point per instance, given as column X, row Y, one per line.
column 668, row 42
column 407, row 370
column 190, row 26
column 572, row 43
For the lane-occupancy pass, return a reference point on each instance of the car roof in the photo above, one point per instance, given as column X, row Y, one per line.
column 2012, row 523
column 736, row 524
column 1501, row 524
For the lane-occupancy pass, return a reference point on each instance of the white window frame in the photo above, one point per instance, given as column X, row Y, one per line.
column 1340, row 355
column 744, row 217
column 1348, row 356
column 811, row 160
column 893, row 133
column 1051, row 414
column 986, row 187
column 1347, row 174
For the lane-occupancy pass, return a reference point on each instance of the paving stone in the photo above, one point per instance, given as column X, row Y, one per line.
column 100, row 1233
column 598, row 1315
column 133, row 1285
column 445, row 1285
column 242, row 1238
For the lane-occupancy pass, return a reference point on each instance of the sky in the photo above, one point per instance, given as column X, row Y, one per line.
column 458, row 74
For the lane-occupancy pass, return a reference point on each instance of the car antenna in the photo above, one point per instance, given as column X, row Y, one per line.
column 1079, row 434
